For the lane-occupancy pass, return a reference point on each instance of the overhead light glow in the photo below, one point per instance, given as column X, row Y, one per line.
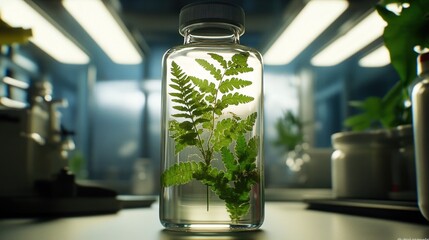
column 365, row 32
column 313, row 19
column 97, row 20
column 18, row 13
column 378, row 58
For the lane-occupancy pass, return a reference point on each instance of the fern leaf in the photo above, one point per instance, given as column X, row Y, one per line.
column 210, row 98
column 233, row 83
column 232, row 99
column 230, row 128
column 216, row 73
column 201, row 120
column 238, row 64
column 246, row 152
column 241, row 147
column 180, row 108
column 204, row 85
column 237, row 70
column 175, row 86
column 181, row 115
column 177, row 72
column 248, row 123
column 236, row 99
column 229, row 162
column 240, row 58
column 183, row 134
column 180, row 173
column 237, row 211
column 186, row 125
column 177, row 100
column 175, row 94
column 219, row 59
column 223, row 133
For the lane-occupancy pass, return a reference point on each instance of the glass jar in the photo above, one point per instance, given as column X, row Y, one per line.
column 212, row 166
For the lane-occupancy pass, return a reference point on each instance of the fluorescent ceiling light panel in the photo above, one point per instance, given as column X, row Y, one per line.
column 378, row 58
column 97, row 20
column 18, row 13
column 365, row 32
column 313, row 19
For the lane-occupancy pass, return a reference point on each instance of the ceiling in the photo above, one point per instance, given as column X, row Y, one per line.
column 156, row 21
column 154, row 25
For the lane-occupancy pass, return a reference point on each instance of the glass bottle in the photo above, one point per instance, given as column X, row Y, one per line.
column 212, row 166
column 420, row 103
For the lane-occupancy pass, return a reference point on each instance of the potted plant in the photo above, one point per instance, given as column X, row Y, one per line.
column 290, row 139
column 305, row 166
column 404, row 36
column 289, row 131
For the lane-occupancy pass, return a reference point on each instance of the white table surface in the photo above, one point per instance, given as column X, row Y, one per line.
column 283, row 220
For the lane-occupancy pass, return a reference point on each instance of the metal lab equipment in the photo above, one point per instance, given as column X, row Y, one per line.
column 31, row 145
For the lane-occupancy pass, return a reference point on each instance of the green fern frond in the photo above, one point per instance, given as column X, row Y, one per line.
column 204, row 85
column 229, row 162
column 219, row 59
column 199, row 104
column 232, row 99
column 236, row 211
column 216, row 73
column 224, row 133
column 248, row 123
column 180, row 173
column 238, row 64
column 232, row 84
column 229, row 129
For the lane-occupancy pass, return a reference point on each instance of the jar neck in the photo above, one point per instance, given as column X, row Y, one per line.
column 212, row 33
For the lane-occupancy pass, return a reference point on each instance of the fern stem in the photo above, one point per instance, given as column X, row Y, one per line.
column 208, row 198
column 213, row 112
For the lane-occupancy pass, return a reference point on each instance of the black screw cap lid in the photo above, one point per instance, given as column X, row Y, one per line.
column 211, row 11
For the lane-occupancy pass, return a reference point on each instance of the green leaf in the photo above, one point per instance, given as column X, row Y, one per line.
column 204, row 85
column 180, row 173
column 246, row 152
column 403, row 32
column 177, row 95
column 238, row 64
column 248, row 123
column 216, row 73
column 240, row 147
column 232, row 84
column 374, row 111
column 230, row 128
column 236, row 211
column 181, row 115
column 223, row 133
column 234, row 99
column 219, row 59
column 229, row 162
column 180, row 108
column 186, row 125
column 240, row 59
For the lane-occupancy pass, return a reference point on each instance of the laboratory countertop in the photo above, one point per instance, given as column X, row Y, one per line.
column 283, row 220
